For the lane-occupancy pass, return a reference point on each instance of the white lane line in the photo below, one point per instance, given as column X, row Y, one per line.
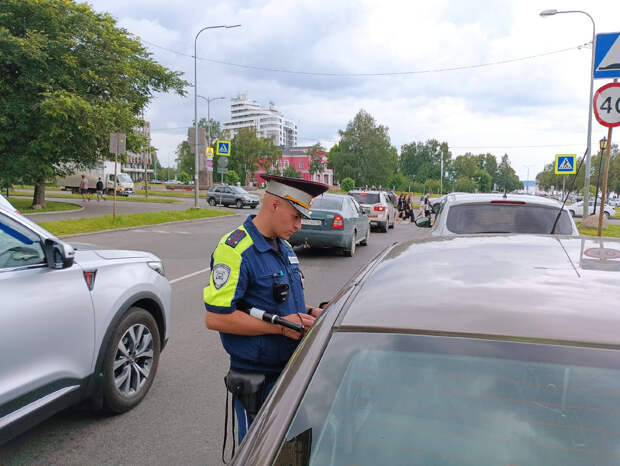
column 172, row 282
column 162, row 231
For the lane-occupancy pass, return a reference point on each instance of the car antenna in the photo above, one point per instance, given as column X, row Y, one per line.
column 570, row 188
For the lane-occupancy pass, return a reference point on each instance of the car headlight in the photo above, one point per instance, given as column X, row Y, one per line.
column 158, row 267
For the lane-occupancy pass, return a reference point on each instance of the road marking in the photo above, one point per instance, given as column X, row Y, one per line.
column 137, row 230
column 172, row 282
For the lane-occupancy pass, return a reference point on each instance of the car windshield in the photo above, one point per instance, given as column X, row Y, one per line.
column 124, row 178
column 506, row 218
column 366, row 198
column 414, row 399
column 239, row 190
column 327, row 203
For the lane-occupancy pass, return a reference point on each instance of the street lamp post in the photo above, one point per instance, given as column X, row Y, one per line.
column 602, row 145
column 586, row 185
column 196, row 151
column 209, row 100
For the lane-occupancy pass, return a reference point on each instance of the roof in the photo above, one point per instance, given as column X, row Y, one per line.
column 462, row 198
column 516, row 286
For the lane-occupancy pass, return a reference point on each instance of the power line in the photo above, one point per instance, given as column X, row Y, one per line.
column 514, row 147
column 393, row 73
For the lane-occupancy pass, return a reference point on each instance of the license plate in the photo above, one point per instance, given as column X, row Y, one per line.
column 307, row 221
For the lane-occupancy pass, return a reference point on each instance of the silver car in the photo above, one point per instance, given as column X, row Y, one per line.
column 377, row 206
column 74, row 324
column 466, row 213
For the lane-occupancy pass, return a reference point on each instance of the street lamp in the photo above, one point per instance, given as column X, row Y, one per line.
column 209, row 100
column 586, row 185
column 602, row 145
column 196, row 151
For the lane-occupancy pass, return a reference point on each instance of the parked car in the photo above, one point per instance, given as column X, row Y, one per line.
column 576, row 209
column 156, row 181
column 465, row 213
column 231, row 195
column 75, row 324
column 471, row 349
column 6, row 205
column 378, row 206
column 338, row 221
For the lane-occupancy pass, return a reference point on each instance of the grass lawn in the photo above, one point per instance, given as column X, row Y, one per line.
column 23, row 204
column 88, row 225
column 93, row 197
column 612, row 231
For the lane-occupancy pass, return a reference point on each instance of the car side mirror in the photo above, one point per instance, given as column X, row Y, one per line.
column 436, row 207
column 58, row 255
column 423, row 222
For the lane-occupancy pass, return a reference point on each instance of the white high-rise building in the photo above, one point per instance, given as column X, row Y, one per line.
column 268, row 122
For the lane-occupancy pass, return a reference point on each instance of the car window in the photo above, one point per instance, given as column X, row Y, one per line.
column 366, row 198
column 414, row 399
column 18, row 245
column 239, row 190
column 327, row 203
column 506, row 218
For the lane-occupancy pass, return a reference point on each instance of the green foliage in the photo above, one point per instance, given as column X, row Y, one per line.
column 432, row 186
column 422, row 161
column 68, row 78
column 232, row 177
column 184, row 177
column 316, row 159
column 347, row 184
column 465, row 185
column 290, row 171
column 248, row 152
column 399, row 182
column 592, row 190
column 185, row 159
column 364, row 152
column 507, row 179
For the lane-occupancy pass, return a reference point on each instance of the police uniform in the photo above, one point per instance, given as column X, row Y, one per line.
column 246, row 268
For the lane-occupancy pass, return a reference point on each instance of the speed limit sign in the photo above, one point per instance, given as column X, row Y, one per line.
column 607, row 105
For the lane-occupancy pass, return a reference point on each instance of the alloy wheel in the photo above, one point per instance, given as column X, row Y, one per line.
column 133, row 360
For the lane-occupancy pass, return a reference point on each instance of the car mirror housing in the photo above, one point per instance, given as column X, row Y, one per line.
column 423, row 222
column 59, row 255
column 435, row 207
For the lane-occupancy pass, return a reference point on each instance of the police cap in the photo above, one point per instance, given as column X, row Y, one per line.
column 298, row 192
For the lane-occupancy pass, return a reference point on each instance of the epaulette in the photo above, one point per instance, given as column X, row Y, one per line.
column 235, row 237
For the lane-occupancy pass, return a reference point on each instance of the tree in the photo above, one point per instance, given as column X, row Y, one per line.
column 232, row 177
column 347, row 185
column 507, row 179
column 185, row 160
column 465, row 185
column 364, row 152
column 291, row 172
column 316, row 159
column 247, row 152
column 422, row 161
column 398, row 182
column 68, row 78
column 183, row 177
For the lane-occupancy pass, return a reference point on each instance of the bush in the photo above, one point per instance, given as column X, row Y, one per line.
column 347, row 184
column 183, row 177
column 232, row 177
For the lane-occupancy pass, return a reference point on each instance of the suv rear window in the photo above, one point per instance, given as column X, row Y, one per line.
column 366, row 198
column 414, row 399
column 506, row 218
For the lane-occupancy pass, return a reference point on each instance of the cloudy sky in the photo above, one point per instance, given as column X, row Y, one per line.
column 531, row 106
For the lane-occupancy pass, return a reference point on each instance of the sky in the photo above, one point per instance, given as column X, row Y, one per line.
column 521, row 86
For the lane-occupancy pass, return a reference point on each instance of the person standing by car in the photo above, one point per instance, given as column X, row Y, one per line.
column 409, row 208
column 401, row 207
column 427, row 205
column 100, row 190
column 84, row 189
column 254, row 267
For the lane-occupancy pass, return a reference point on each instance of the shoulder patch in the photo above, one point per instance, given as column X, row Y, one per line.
column 235, row 237
column 221, row 274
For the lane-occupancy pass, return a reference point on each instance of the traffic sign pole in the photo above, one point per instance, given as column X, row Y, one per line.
column 604, row 189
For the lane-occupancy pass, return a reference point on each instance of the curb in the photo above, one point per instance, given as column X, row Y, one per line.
column 152, row 225
column 56, row 212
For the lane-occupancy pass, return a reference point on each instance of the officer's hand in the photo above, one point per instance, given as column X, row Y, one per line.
column 304, row 319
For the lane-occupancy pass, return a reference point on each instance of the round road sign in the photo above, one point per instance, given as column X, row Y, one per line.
column 607, row 105
column 222, row 162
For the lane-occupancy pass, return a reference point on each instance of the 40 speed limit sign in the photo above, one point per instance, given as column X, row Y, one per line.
column 607, row 105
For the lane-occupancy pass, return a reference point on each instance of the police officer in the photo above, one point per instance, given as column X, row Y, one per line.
column 254, row 265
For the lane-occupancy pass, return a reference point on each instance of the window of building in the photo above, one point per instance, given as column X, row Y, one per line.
column 286, row 164
column 301, row 165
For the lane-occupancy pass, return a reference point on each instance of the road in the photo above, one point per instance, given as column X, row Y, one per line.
column 181, row 419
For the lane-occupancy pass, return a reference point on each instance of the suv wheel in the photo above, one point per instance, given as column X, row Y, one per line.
column 211, row 201
column 131, row 361
column 350, row 250
column 239, row 204
column 384, row 226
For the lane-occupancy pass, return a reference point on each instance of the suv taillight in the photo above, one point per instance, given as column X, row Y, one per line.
column 338, row 223
column 380, row 208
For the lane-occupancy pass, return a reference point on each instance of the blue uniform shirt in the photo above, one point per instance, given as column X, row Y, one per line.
column 245, row 267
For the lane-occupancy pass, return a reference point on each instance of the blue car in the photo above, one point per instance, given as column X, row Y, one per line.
column 337, row 221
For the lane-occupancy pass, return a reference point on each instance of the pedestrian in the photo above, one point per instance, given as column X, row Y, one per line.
column 100, row 190
column 401, row 207
column 84, row 188
column 427, row 205
column 409, row 208
column 254, row 266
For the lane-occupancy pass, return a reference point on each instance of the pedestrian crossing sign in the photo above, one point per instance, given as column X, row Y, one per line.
column 565, row 164
column 222, row 148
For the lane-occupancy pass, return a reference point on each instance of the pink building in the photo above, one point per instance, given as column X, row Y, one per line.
column 299, row 158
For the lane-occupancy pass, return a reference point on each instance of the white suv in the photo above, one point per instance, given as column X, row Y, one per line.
column 377, row 206
column 74, row 324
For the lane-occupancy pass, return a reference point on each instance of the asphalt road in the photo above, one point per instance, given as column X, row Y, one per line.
column 181, row 419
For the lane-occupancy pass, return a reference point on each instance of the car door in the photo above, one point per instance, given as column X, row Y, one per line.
column 46, row 324
column 360, row 219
